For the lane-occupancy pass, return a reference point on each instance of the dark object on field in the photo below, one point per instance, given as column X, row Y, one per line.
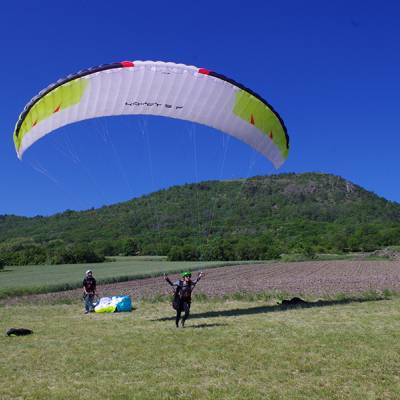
column 19, row 332
column 294, row 301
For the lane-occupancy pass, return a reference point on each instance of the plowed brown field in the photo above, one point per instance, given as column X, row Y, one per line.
column 317, row 278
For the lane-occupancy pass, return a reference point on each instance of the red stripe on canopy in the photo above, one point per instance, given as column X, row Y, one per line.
column 127, row 64
column 204, row 71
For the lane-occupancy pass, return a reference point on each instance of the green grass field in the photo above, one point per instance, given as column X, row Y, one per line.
column 45, row 278
column 229, row 350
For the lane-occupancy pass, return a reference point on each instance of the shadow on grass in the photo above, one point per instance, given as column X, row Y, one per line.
column 272, row 308
column 201, row 326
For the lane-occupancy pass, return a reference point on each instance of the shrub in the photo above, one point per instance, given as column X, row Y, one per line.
column 75, row 255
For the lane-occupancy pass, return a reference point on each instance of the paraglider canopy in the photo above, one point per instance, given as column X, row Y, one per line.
column 156, row 88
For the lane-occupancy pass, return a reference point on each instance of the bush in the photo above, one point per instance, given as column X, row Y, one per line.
column 184, row 253
column 130, row 247
column 25, row 255
column 76, row 255
column 309, row 252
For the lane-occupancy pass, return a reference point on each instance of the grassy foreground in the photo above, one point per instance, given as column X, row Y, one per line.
column 229, row 350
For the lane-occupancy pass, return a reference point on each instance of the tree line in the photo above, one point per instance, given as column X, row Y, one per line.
column 252, row 219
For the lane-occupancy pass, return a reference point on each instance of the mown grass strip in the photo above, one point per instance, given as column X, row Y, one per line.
column 46, row 276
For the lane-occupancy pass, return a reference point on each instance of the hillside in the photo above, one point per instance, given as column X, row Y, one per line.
column 259, row 217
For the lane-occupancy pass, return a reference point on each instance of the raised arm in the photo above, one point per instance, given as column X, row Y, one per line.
column 169, row 281
column 199, row 276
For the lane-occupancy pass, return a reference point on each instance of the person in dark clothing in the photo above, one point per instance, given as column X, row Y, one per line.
column 89, row 290
column 183, row 295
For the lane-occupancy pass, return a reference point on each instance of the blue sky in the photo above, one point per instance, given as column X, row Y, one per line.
column 331, row 69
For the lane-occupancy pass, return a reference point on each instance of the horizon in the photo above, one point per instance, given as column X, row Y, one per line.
column 329, row 70
column 192, row 183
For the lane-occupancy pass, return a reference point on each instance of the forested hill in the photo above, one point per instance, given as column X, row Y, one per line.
column 252, row 218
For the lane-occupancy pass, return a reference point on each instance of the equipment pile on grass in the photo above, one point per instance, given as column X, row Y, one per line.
column 114, row 304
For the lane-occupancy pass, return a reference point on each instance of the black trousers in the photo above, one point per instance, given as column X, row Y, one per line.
column 185, row 307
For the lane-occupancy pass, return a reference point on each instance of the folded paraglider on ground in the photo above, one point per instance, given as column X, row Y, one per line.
column 114, row 304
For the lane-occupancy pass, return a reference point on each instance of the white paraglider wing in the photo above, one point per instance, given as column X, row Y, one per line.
column 156, row 88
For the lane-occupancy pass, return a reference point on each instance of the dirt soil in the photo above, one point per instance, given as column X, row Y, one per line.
column 316, row 278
